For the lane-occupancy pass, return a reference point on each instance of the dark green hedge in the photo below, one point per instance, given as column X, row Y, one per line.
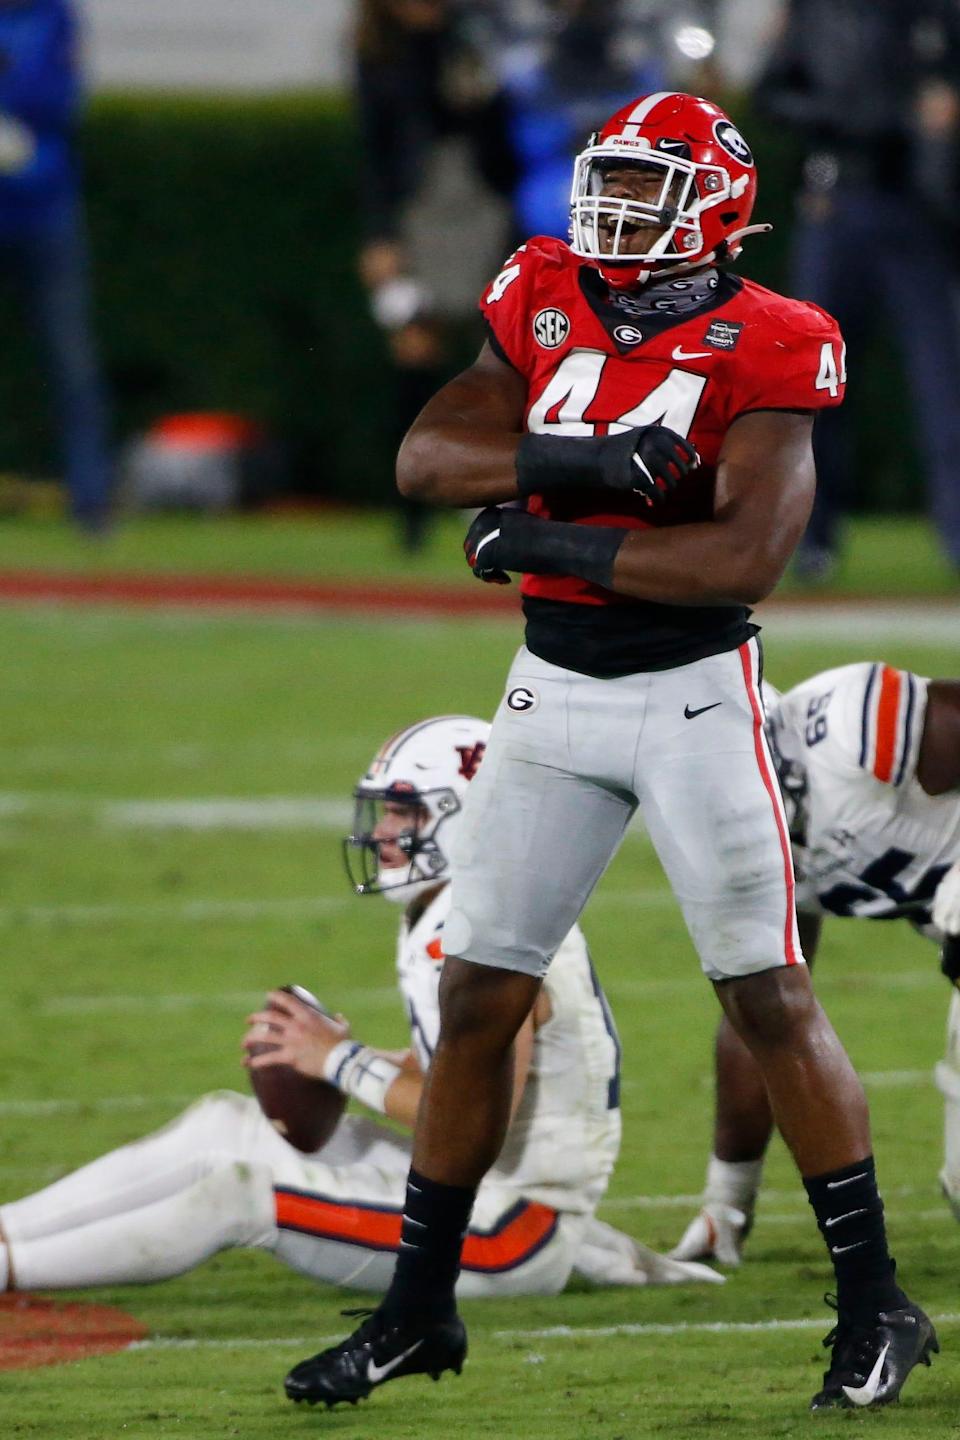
column 224, row 234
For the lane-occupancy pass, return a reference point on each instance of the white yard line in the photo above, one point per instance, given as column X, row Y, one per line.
column 238, row 1000
column 37, row 1109
column 767, row 1197
column 188, row 911
column 189, row 753
column 214, row 812
column 896, row 1079
column 682, row 1327
column 941, row 1213
column 271, row 812
column 552, row 1332
column 200, row 911
column 934, row 623
column 264, row 812
column 211, row 812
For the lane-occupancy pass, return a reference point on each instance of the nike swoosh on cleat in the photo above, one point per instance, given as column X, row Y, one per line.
column 689, row 714
column 680, row 354
column 866, row 1394
column 376, row 1373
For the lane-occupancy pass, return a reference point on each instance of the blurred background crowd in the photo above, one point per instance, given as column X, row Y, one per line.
column 241, row 243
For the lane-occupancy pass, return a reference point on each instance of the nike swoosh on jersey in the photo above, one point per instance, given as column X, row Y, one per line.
column 689, row 714
column 376, row 1373
column 866, row 1394
column 680, row 354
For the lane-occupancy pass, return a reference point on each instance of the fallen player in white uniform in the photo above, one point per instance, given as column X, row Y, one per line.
column 220, row 1175
column 869, row 763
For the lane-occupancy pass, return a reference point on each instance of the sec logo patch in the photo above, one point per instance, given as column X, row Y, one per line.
column 550, row 328
column 522, row 698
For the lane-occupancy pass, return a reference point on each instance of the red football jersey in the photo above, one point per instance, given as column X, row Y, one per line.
column 692, row 353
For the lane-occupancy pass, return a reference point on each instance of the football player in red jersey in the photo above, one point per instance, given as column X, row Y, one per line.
column 652, row 415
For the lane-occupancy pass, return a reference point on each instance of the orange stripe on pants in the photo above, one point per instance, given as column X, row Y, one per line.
column 522, row 1231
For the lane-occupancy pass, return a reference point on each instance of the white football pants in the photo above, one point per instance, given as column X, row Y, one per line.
column 569, row 760
column 220, row 1176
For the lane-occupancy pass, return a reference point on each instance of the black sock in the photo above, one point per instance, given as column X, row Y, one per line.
column 849, row 1213
column 435, row 1220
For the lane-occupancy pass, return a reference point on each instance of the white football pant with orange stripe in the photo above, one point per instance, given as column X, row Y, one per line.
column 219, row 1176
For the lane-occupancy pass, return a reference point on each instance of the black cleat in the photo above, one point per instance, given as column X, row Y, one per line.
column 374, row 1354
column 872, row 1360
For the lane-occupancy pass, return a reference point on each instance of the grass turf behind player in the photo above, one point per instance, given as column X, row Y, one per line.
column 134, row 951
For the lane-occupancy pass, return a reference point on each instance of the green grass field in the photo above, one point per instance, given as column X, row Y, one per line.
column 883, row 555
column 134, row 947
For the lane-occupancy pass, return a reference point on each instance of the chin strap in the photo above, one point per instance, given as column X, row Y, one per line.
column 733, row 248
column 729, row 250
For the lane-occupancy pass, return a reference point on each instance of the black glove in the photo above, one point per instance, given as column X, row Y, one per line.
column 508, row 539
column 650, row 461
column 480, row 546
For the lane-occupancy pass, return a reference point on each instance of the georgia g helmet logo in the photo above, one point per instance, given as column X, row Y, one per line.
column 733, row 142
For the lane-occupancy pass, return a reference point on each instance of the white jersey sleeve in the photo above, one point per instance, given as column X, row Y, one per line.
column 873, row 843
column 865, row 717
column 419, row 962
column 563, row 1141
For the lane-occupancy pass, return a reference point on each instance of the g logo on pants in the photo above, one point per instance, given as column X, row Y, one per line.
column 522, row 698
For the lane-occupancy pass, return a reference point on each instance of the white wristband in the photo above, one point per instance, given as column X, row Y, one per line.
column 359, row 1071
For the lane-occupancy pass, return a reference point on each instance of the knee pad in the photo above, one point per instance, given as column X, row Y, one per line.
column 222, row 1121
column 241, row 1192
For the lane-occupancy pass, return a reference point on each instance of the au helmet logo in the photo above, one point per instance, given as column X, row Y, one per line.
column 550, row 328
column 470, row 757
column 521, row 698
column 729, row 137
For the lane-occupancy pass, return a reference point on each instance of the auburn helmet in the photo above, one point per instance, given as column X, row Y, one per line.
column 707, row 191
column 424, row 769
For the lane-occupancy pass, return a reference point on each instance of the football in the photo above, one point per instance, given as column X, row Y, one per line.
column 306, row 1111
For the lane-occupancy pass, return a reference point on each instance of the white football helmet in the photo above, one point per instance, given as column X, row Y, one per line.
column 424, row 769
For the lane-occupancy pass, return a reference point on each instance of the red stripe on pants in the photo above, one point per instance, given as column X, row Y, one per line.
column 772, row 787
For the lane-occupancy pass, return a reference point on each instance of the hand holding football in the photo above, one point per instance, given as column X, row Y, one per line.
column 286, row 1046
